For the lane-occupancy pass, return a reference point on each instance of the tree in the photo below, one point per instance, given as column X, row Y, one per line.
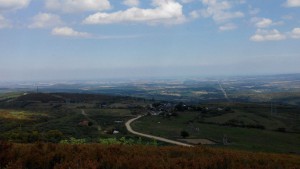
column 184, row 134
column 90, row 123
column 181, row 107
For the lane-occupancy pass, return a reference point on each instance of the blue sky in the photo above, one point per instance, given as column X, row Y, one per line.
column 95, row 39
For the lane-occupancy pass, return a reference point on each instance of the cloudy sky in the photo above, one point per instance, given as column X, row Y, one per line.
column 94, row 39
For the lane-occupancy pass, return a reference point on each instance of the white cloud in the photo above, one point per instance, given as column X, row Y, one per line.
column 267, row 35
column 295, row 34
column 13, row 4
column 4, row 23
column 45, row 20
column 262, row 22
column 69, row 32
column 165, row 11
column 220, row 10
column 275, row 35
column 72, row 6
column 227, row 27
column 292, row 3
column 131, row 2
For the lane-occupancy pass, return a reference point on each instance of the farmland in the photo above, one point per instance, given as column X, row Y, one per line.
column 240, row 138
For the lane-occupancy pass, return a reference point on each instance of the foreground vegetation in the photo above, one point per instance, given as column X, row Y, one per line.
column 94, row 156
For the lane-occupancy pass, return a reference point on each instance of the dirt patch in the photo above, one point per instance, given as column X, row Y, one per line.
column 198, row 141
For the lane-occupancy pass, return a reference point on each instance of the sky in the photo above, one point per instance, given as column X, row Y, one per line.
column 96, row 39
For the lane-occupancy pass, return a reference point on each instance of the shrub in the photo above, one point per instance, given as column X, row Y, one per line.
column 184, row 134
column 92, row 156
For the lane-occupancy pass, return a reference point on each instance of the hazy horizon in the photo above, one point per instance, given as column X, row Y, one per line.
column 104, row 39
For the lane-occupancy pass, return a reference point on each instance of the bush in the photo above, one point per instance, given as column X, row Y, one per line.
column 54, row 136
column 73, row 140
column 281, row 130
column 184, row 134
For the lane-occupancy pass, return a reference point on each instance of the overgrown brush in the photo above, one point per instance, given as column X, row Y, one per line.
column 99, row 156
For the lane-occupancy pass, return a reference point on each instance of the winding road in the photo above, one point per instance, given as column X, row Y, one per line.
column 127, row 124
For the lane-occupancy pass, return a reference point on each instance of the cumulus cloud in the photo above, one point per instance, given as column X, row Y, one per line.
column 131, row 2
column 295, row 34
column 69, row 32
column 262, row 22
column 220, row 10
column 267, row 35
column 72, row 6
column 228, row 27
column 13, row 4
column 273, row 35
column 164, row 11
column 292, row 3
column 4, row 23
column 45, row 20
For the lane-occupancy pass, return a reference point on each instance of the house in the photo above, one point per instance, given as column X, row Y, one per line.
column 116, row 132
column 84, row 123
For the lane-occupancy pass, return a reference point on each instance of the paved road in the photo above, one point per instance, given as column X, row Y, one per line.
column 223, row 90
column 127, row 124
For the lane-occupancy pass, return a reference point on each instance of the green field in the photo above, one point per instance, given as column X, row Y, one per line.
column 213, row 127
